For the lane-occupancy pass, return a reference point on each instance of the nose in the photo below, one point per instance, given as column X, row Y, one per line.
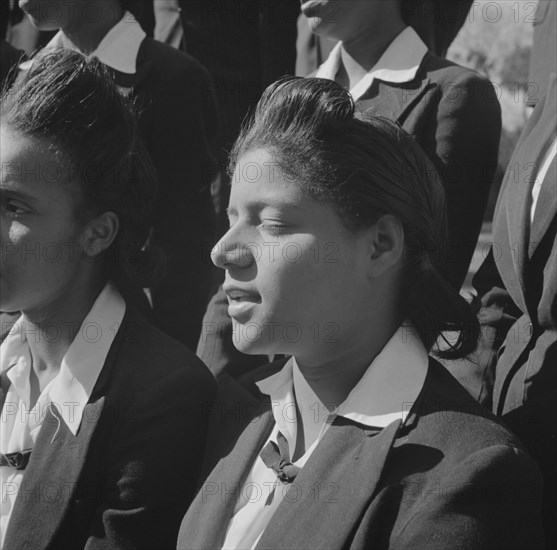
column 230, row 252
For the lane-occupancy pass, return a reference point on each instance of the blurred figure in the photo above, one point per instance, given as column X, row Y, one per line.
column 517, row 284
column 178, row 123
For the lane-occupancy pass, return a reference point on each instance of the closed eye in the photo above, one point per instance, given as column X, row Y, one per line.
column 15, row 208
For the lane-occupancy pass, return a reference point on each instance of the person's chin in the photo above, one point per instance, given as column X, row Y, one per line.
column 248, row 338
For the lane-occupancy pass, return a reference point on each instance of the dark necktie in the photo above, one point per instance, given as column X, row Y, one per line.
column 16, row 460
column 277, row 457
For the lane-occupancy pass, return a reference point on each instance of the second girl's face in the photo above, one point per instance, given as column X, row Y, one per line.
column 41, row 240
column 295, row 276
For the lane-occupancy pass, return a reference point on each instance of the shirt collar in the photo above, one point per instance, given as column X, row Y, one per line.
column 118, row 49
column 386, row 391
column 70, row 391
column 399, row 63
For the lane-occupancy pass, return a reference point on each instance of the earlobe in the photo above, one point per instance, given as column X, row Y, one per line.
column 386, row 245
column 100, row 233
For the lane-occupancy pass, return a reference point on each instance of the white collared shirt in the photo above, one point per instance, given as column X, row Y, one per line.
column 385, row 393
column 399, row 63
column 69, row 391
column 118, row 49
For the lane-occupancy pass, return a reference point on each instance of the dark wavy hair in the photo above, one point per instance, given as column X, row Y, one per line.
column 74, row 103
column 366, row 167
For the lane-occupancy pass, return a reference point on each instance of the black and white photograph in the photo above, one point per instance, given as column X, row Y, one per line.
column 278, row 274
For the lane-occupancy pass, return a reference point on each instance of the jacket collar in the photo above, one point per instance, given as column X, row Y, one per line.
column 58, row 457
column 69, row 392
column 117, row 50
column 398, row 64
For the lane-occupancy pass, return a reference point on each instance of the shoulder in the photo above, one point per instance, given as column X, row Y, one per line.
column 168, row 62
column 458, row 84
column 449, row 418
column 439, row 69
column 146, row 359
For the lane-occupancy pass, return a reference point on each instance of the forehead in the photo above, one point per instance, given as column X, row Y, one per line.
column 258, row 176
column 32, row 165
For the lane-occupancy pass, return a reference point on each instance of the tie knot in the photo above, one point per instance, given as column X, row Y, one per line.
column 276, row 456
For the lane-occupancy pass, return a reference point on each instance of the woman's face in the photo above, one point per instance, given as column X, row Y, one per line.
column 295, row 276
column 346, row 19
column 41, row 240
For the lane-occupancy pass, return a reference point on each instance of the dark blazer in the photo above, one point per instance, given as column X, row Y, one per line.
column 126, row 478
column 454, row 115
column 450, row 476
column 518, row 286
column 178, row 122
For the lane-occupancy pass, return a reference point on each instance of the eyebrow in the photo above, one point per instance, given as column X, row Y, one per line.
column 259, row 205
column 12, row 192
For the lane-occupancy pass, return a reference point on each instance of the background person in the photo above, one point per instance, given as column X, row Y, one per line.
column 177, row 123
column 100, row 410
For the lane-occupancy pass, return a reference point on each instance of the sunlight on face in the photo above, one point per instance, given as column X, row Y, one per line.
column 294, row 274
column 40, row 237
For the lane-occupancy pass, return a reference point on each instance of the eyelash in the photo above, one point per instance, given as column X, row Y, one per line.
column 274, row 227
column 10, row 207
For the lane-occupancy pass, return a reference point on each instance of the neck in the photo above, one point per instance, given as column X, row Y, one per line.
column 87, row 33
column 333, row 378
column 360, row 53
column 50, row 333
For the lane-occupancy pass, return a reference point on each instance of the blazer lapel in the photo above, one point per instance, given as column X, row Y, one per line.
column 50, row 478
column 331, row 491
column 206, row 521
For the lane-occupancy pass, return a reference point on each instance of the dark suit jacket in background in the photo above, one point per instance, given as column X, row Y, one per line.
column 246, row 45
column 454, row 115
column 518, row 282
column 178, row 123
column 450, row 477
column 126, row 478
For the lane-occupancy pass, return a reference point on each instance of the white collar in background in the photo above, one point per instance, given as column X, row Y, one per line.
column 385, row 393
column 81, row 366
column 118, row 49
column 399, row 63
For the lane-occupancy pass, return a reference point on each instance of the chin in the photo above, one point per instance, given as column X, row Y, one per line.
column 247, row 339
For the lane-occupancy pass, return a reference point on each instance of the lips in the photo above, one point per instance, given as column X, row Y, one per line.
column 241, row 302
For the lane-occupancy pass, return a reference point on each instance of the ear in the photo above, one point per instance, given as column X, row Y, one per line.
column 99, row 234
column 386, row 245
